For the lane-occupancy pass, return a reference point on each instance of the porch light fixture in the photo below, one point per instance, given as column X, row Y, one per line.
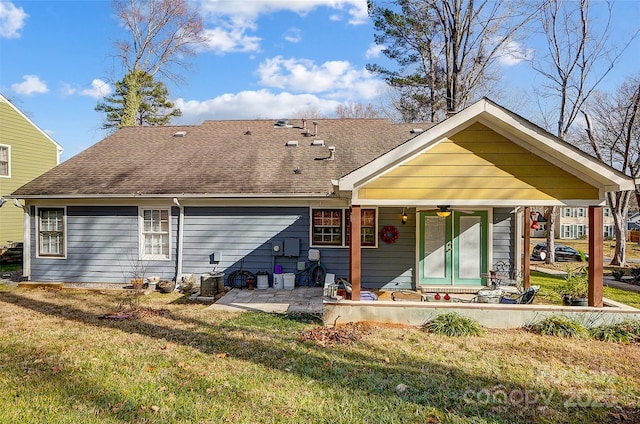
column 405, row 218
column 443, row 211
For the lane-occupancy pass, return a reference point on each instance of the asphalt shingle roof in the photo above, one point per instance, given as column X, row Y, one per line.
column 243, row 157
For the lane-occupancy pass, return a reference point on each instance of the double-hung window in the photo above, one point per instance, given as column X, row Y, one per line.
column 330, row 227
column 5, row 165
column 51, row 232
column 155, row 233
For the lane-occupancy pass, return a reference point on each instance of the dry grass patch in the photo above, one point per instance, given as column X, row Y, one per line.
column 60, row 362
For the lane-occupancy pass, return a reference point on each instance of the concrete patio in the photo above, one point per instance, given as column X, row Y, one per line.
column 298, row 300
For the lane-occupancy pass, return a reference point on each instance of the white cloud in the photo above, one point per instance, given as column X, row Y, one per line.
column 31, row 85
column 231, row 37
column 356, row 9
column 230, row 21
column 374, row 50
column 293, row 35
column 512, row 53
column 338, row 79
column 98, row 90
column 11, row 20
column 250, row 105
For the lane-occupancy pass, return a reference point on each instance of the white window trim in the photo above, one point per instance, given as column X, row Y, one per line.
column 64, row 233
column 141, row 253
column 344, row 229
column 8, row 161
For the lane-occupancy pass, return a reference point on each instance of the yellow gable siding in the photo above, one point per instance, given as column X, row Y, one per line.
column 31, row 154
column 478, row 163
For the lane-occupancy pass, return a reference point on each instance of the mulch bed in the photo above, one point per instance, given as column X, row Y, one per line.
column 346, row 334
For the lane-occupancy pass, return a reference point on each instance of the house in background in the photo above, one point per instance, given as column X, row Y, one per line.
column 25, row 152
column 572, row 222
column 432, row 207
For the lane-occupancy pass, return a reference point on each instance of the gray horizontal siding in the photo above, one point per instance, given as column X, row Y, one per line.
column 391, row 266
column 102, row 246
column 242, row 237
column 503, row 236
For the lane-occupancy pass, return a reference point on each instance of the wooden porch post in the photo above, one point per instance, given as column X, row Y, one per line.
column 354, row 252
column 596, row 238
column 526, row 249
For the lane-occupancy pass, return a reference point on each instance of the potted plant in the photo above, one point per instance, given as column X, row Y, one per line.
column 575, row 288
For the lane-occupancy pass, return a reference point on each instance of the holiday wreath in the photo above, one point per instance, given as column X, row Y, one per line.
column 389, row 234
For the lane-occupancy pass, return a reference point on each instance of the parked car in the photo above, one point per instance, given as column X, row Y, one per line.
column 563, row 253
column 12, row 255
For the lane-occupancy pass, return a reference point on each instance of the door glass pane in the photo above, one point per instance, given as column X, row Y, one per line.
column 469, row 242
column 435, row 239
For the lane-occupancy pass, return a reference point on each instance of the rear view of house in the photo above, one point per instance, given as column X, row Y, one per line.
column 25, row 152
column 390, row 206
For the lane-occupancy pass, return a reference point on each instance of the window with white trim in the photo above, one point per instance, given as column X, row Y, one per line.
column 326, row 227
column 606, row 211
column 330, row 227
column 609, row 231
column 565, row 231
column 5, row 163
column 155, row 233
column 581, row 212
column 566, row 212
column 51, row 232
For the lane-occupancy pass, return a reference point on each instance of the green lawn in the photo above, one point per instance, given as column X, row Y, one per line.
column 181, row 362
column 549, row 285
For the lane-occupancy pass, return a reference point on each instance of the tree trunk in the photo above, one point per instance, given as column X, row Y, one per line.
column 619, row 205
column 549, row 215
column 132, row 100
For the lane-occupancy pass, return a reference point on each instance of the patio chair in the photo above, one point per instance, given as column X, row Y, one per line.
column 525, row 298
column 503, row 274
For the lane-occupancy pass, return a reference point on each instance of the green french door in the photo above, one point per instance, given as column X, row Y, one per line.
column 453, row 249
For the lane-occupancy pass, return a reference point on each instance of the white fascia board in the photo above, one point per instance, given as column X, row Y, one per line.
column 543, row 144
column 475, row 204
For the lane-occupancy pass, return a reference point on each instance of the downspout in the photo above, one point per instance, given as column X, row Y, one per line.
column 180, row 239
column 26, row 247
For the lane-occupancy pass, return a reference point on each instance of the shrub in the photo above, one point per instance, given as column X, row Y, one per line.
column 618, row 273
column 627, row 331
column 575, row 284
column 635, row 271
column 454, row 325
column 560, row 326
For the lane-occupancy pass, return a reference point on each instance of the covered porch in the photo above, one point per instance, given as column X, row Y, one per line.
column 468, row 185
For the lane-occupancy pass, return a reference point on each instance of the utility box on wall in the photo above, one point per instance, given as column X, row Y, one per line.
column 292, row 247
column 277, row 248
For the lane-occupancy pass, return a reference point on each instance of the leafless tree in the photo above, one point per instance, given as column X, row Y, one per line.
column 578, row 58
column 613, row 130
column 163, row 33
column 356, row 110
column 445, row 49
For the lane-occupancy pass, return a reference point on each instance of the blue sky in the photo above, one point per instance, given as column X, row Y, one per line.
column 265, row 59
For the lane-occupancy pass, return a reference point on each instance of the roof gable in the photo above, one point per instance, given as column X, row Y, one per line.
column 519, row 131
column 5, row 102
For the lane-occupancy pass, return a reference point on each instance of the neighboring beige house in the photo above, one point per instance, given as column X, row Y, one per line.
column 573, row 223
column 25, row 153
